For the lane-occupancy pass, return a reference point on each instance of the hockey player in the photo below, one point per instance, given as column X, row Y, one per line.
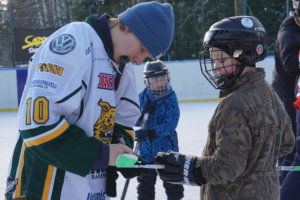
column 249, row 129
column 289, row 49
column 67, row 112
column 286, row 71
column 160, row 101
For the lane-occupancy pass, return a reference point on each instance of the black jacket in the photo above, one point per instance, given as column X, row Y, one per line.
column 287, row 47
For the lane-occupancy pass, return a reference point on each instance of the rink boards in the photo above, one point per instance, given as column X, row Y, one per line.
column 186, row 79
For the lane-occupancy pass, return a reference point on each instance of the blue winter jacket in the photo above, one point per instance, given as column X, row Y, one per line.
column 163, row 118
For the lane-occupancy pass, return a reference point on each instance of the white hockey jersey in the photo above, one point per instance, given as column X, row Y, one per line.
column 68, row 106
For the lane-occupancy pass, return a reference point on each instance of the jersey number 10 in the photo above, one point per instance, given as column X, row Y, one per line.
column 40, row 113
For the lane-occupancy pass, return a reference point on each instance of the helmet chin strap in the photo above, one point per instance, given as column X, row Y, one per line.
column 160, row 92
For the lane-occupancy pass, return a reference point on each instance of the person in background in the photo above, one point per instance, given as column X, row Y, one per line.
column 290, row 30
column 286, row 72
column 250, row 128
column 158, row 100
column 67, row 111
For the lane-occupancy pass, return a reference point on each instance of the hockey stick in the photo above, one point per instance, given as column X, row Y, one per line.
column 288, row 168
column 157, row 166
column 149, row 166
column 136, row 149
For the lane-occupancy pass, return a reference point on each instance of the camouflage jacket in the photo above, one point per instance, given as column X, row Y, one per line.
column 247, row 133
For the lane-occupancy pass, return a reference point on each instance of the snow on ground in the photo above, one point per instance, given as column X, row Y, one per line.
column 192, row 133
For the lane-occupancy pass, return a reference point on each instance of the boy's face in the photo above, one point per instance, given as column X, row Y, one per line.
column 223, row 63
column 131, row 47
column 158, row 82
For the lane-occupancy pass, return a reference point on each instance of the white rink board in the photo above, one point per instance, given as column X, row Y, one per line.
column 8, row 89
column 186, row 79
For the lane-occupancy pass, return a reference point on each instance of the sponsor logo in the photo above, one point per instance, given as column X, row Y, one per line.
column 100, row 59
column 11, row 185
column 260, row 29
column 63, row 44
column 186, row 167
column 97, row 174
column 106, row 81
column 88, row 51
column 48, row 67
column 44, row 84
column 246, row 22
column 33, row 42
column 32, row 50
column 96, row 196
column 259, row 49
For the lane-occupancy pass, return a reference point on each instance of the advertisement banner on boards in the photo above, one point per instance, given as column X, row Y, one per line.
column 27, row 41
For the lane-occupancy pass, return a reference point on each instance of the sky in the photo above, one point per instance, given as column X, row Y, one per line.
column 192, row 133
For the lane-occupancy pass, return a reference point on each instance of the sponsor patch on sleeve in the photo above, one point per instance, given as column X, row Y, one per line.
column 50, row 86
column 63, row 44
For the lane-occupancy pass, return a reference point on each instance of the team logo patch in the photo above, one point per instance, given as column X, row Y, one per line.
column 259, row 49
column 246, row 22
column 104, row 126
column 63, row 44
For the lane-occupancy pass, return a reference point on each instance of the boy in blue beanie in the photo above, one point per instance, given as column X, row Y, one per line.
column 156, row 32
column 66, row 133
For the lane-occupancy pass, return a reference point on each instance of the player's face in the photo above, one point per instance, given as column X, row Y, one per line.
column 131, row 47
column 159, row 82
column 222, row 62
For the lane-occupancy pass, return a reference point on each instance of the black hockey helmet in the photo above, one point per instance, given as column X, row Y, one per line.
column 155, row 68
column 155, row 71
column 296, row 7
column 242, row 37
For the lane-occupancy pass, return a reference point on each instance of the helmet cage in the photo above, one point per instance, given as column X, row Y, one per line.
column 159, row 84
column 245, row 47
column 230, row 73
column 156, row 78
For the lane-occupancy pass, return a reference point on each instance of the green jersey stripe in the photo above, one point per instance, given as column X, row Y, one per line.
column 19, row 172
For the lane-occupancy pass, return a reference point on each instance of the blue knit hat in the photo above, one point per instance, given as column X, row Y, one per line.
column 153, row 24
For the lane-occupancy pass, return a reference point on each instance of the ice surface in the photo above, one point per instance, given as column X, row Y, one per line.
column 192, row 133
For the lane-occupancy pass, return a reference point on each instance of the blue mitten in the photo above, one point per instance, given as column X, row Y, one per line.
column 145, row 134
column 147, row 107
